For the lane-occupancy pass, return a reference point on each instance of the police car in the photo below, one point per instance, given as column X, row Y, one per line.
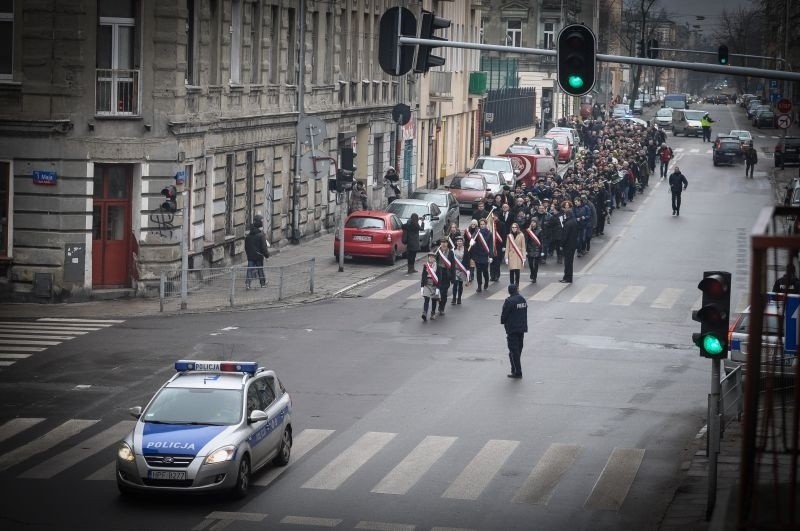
column 775, row 358
column 208, row 428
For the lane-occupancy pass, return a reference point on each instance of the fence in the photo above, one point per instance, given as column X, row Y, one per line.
column 225, row 286
column 511, row 109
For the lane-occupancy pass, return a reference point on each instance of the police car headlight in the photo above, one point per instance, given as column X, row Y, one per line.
column 225, row 453
column 125, row 453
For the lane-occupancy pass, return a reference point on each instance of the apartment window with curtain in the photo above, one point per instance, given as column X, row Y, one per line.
column 117, row 87
column 514, row 33
column 236, row 42
column 6, row 39
column 549, row 34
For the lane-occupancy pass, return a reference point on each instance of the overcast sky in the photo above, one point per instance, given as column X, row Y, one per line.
column 689, row 10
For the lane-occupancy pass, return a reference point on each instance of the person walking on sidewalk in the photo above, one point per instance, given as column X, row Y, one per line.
column 750, row 160
column 430, row 287
column 677, row 184
column 411, row 230
column 514, row 317
column 256, row 249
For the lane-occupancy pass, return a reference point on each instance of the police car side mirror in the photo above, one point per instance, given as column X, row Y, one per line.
column 257, row 416
column 135, row 412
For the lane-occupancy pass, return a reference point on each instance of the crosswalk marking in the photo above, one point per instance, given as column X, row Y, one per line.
column 15, row 426
column 414, row 466
column 538, row 489
column 589, row 293
column 304, row 442
column 694, row 150
column 4, row 336
column 393, row 288
column 384, row 526
column 8, row 349
column 548, row 292
column 4, row 356
column 106, row 473
column 9, row 342
column 499, row 295
column 615, row 480
column 628, row 295
column 480, row 471
column 6, row 363
column 45, row 442
column 106, row 322
column 667, row 298
column 311, row 521
column 345, row 465
column 43, row 327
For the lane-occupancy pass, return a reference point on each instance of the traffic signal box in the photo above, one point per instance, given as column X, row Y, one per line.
column 722, row 55
column 170, row 194
column 395, row 59
column 714, row 315
column 429, row 24
column 576, row 51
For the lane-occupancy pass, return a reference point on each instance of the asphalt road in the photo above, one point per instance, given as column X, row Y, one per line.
column 411, row 425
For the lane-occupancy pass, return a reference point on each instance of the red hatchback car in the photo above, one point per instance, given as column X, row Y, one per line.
column 564, row 147
column 372, row 234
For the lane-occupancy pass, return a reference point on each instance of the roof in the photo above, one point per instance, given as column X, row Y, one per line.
column 419, row 202
column 430, row 191
column 370, row 214
column 208, row 380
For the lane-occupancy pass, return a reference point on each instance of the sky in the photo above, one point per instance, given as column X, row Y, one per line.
column 689, row 10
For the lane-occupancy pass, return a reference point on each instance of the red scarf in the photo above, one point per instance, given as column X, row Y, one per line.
column 483, row 240
column 431, row 273
column 533, row 237
column 514, row 246
column 460, row 266
column 448, row 264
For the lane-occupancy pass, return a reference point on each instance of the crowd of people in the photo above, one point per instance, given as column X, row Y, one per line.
column 554, row 220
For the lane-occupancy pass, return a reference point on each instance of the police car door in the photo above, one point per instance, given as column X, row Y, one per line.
column 261, row 438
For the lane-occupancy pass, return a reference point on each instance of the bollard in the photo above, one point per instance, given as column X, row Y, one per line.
column 311, row 275
column 162, row 281
column 280, row 284
column 233, row 286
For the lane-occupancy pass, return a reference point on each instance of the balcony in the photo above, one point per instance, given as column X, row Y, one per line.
column 117, row 92
column 440, row 83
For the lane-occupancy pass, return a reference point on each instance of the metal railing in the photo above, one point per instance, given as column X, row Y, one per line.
column 227, row 286
column 117, row 92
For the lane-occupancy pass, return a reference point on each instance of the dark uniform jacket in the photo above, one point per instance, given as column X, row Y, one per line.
column 255, row 245
column 515, row 314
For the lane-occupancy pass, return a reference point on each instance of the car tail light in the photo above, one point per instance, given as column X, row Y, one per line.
column 387, row 237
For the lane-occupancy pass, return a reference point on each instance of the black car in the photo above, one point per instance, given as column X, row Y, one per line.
column 727, row 151
column 787, row 150
column 764, row 119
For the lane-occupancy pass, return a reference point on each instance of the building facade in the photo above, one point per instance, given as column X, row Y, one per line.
column 105, row 104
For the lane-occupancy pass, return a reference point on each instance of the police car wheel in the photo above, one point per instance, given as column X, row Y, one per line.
column 285, row 451
column 242, row 478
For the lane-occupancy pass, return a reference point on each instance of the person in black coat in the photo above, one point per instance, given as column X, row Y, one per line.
column 479, row 252
column 514, row 317
column 533, row 246
column 498, row 247
column 256, row 249
column 569, row 241
column 677, row 184
column 445, row 270
column 411, row 230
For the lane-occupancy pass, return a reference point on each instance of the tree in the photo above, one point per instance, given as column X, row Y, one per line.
column 739, row 32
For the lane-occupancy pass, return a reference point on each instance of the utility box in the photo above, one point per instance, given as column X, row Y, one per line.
column 75, row 262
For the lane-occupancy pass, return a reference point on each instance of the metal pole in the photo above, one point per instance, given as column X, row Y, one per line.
column 713, row 437
column 161, row 289
column 342, row 212
column 185, row 251
column 300, row 74
column 311, row 275
column 232, row 296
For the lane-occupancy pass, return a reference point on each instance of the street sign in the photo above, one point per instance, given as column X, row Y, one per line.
column 790, row 332
column 784, row 106
column 489, row 117
column 784, row 121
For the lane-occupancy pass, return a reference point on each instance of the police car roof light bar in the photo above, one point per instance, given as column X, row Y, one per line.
column 249, row 367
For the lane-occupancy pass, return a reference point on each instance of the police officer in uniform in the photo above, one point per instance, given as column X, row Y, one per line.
column 515, row 319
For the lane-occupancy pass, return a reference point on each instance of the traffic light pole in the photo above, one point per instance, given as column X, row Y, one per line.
column 713, row 436
column 664, row 63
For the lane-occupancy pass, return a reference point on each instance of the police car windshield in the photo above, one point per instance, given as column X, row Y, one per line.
column 180, row 405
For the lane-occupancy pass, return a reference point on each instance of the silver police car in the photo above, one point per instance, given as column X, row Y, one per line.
column 208, row 428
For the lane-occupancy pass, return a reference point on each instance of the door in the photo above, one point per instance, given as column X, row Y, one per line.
column 111, row 226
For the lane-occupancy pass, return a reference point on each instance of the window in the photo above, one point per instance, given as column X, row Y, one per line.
column 191, row 25
column 549, row 36
column 208, row 211
column 6, row 40
column 216, row 33
column 117, row 90
column 514, row 33
column 230, row 175
column 290, row 47
column 275, row 48
column 250, row 186
column 236, row 41
column 315, row 44
column 255, row 43
column 329, row 48
column 189, row 175
column 5, row 206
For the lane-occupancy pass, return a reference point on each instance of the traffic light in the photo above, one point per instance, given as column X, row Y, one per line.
column 576, row 59
column 714, row 315
column 396, row 59
column 348, row 161
column 640, row 48
column 722, row 55
column 344, row 180
column 652, row 49
column 170, row 194
column 429, row 24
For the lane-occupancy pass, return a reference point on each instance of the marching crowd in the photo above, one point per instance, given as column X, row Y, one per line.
column 554, row 219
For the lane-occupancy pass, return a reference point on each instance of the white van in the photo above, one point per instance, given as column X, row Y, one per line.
column 687, row 122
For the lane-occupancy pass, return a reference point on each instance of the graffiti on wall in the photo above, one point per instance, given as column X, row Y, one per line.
column 164, row 222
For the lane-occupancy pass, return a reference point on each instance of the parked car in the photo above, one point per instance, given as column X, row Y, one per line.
column 620, row 110
column 787, row 150
column 531, row 165
column 638, row 107
column 467, row 188
column 564, row 147
column 486, row 162
column 764, row 118
column 727, row 150
column 550, row 143
column 371, row 234
column 572, row 133
column 444, row 199
column 495, row 179
column 436, row 225
column 664, row 117
column 755, row 105
column 773, row 358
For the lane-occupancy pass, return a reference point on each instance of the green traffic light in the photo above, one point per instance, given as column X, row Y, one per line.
column 723, row 61
column 712, row 345
column 575, row 81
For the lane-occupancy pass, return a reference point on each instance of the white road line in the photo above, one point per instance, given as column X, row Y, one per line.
column 311, row 521
column 41, row 333
column 452, row 529
column 8, row 348
column 60, row 462
column 394, row 288
column 32, row 336
column 44, row 328
column 589, row 293
column 110, row 322
column 480, row 471
column 346, row 464
column 106, row 473
column 542, row 481
column 14, row 356
column 415, row 465
column 499, row 295
column 384, row 526
column 694, row 150
column 615, row 481
column 304, row 442
column 15, row 426
column 667, row 298
column 548, row 292
column 45, row 442
column 10, row 342
column 628, row 295
column 6, row 363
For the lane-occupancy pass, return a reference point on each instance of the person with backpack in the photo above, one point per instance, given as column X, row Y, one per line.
column 665, row 155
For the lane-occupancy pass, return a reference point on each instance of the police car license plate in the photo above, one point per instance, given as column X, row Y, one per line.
column 362, row 238
column 167, row 474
